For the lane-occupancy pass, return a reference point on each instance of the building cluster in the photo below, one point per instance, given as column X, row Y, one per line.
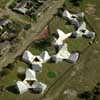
column 29, row 7
column 62, row 54
column 80, row 25
column 30, row 82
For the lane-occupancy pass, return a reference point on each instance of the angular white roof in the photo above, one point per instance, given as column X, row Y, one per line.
column 73, row 18
column 30, row 75
column 28, row 57
column 27, row 84
column 37, row 59
column 45, row 56
column 66, row 14
column 39, row 85
column 21, row 87
column 63, row 52
column 62, row 37
column 37, row 67
column 82, row 30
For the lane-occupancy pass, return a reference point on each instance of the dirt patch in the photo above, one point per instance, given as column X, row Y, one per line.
column 42, row 35
column 90, row 9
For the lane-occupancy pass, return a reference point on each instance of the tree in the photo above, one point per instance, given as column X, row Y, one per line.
column 60, row 12
column 76, row 2
column 87, row 95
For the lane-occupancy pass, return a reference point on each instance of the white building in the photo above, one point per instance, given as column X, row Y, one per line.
column 39, row 87
column 83, row 31
column 45, row 56
column 37, row 67
column 61, row 37
column 73, row 18
column 62, row 54
column 21, row 87
column 30, row 75
column 73, row 57
column 28, row 57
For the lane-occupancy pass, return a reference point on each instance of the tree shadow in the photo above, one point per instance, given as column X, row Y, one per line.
column 91, row 95
column 12, row 89
column 85, row 95
column 21, row 76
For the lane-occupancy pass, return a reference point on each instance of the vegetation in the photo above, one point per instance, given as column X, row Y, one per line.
column 60, row 12
column 91, row 95
column 52, row 74
column 76, row 2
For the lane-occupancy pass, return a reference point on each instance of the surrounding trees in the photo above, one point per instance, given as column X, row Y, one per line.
column 91, row 95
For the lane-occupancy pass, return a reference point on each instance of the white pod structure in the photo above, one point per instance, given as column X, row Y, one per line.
column 28, row 57
column 21, row 87
column 45, row 56
column 30, row 75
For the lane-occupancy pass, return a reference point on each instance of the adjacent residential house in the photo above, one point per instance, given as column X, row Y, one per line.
column 23, row 6
column 4, row 22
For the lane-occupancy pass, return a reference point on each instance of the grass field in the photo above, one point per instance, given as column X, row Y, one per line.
column 79, row 77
